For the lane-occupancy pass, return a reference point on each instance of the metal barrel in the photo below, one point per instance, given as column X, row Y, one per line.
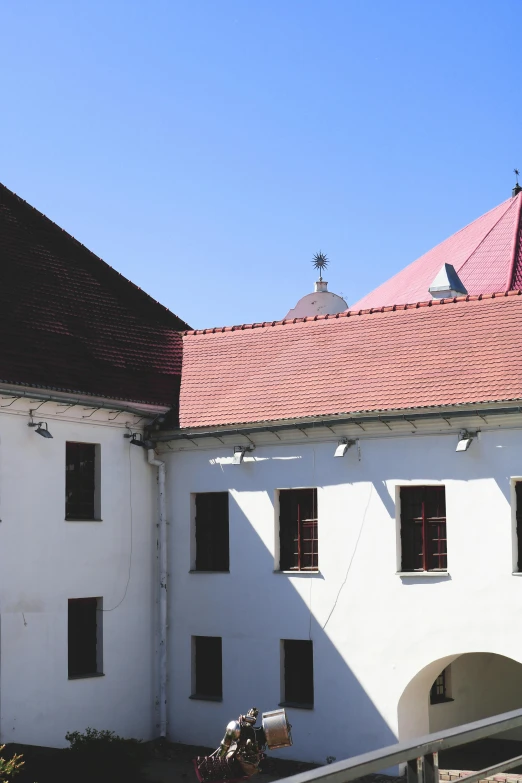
column 277, row 729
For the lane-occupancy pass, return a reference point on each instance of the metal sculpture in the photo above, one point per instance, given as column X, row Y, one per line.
column 243, row 747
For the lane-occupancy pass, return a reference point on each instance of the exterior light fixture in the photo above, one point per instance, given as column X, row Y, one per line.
column 41, row 428
column 239, row 454
column 342, row 447
column 136, row 439
column 465, row 440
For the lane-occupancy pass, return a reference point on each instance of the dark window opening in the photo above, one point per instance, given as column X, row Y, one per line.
column 84, row 625
column 212, row 546
column 440, row 690
column 518, row 491
column 80, row 459
column 298, row 533
column 208, row 678
column 423, row 529
column 298, row 673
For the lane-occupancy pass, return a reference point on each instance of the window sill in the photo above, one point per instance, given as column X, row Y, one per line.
column 516, row 573
column 296, row 705
column 441, row 701
column 74, row 519
column 197, row 571
column 86, row 676
column 422, row 574
column 298, row 573
column 201, row 697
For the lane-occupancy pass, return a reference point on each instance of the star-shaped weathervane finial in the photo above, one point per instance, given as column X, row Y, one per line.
column 320, row 262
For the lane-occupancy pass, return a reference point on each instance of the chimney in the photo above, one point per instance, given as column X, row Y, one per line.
column 447, row 284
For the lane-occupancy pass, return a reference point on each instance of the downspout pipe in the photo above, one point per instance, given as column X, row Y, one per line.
column 163, row 574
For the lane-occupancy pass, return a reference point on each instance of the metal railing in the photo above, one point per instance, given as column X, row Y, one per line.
column 420, row 755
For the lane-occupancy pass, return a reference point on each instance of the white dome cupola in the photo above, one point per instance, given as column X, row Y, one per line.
column 321, row 301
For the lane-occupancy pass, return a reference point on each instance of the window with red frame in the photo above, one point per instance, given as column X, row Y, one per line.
column 423, row 529
column 298, row 535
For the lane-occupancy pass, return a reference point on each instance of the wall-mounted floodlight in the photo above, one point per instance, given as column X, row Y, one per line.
column 136, row 439
column 239, row 454
column 465, row 440
column 40, row 427
column 342, row 447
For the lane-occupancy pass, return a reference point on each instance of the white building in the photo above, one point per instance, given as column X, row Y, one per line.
column 321, row 469
column 94, row 359
column 329, row 547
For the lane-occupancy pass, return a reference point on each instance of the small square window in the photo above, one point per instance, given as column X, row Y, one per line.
column 423, row 529
column 85, row 637
column 298, row 532
column 212, row 545
column 82, row 481
column 207, row 677
column 441, row 688
column 298, row 673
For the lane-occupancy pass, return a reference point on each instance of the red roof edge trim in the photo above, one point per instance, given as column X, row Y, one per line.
column 514, row 247
column 349, row 313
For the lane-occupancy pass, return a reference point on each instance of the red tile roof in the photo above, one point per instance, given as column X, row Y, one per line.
column 69, row 321
column 485, row 254
column 446, row 352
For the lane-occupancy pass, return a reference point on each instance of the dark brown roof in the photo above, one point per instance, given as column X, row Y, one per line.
column 70, row 322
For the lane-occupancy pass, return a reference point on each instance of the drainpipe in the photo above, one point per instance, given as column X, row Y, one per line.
column 162, row 554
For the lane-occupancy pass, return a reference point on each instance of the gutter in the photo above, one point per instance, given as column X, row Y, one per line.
column 252, row 429
column 163, row 575
column 91, row 402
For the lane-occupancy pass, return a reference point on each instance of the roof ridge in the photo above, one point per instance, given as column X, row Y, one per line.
column 350, row 313
column 112, row 270
column 502, row 216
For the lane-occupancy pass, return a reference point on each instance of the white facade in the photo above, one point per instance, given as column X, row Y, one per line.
column 380, row 639
column 45, row 560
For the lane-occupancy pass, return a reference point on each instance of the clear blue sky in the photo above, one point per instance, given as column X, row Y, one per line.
column 207, row 148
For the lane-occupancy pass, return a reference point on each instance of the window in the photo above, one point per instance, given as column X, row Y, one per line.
column 298, row 543
column 518, row 494
column 207, row 680
column 441, row 688
column 85, row 637
column 81, row 481
column 298, row 673
column 423, row 529
column 212, row 551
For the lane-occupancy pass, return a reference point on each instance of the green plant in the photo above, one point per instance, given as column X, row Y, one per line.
column 104, row 756
column 10, row 767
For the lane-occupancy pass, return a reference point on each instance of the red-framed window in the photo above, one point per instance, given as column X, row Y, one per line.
column 298, row 530
column 423, row 529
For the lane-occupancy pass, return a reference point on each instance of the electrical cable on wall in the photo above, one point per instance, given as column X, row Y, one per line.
column 351, row 559
column 131, row 536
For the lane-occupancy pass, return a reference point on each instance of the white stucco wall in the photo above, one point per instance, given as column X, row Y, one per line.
column 45, row 560
column 373, row 630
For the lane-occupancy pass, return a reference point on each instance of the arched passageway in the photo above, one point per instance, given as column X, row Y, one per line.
column 460, row 689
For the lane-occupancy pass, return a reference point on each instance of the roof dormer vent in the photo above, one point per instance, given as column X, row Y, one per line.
column 447, row 284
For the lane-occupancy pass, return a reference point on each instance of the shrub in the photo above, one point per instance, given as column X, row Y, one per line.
column 103, row 756
column 11, row 767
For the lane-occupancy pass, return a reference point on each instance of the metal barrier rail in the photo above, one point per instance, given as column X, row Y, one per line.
column 420, row 755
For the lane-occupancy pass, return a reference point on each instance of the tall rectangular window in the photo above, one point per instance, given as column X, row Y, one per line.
column 85, row 637
column 298, row 673
column 80, row 481
column 423, row 529
column 441, row 688
column 212, row 545
column 518, row 495
column 298, row 533
column 207, row 677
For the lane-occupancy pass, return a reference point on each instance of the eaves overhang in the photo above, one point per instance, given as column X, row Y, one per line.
column 482, row 410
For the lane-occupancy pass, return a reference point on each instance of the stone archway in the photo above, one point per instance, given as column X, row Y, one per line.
column 477, row 685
